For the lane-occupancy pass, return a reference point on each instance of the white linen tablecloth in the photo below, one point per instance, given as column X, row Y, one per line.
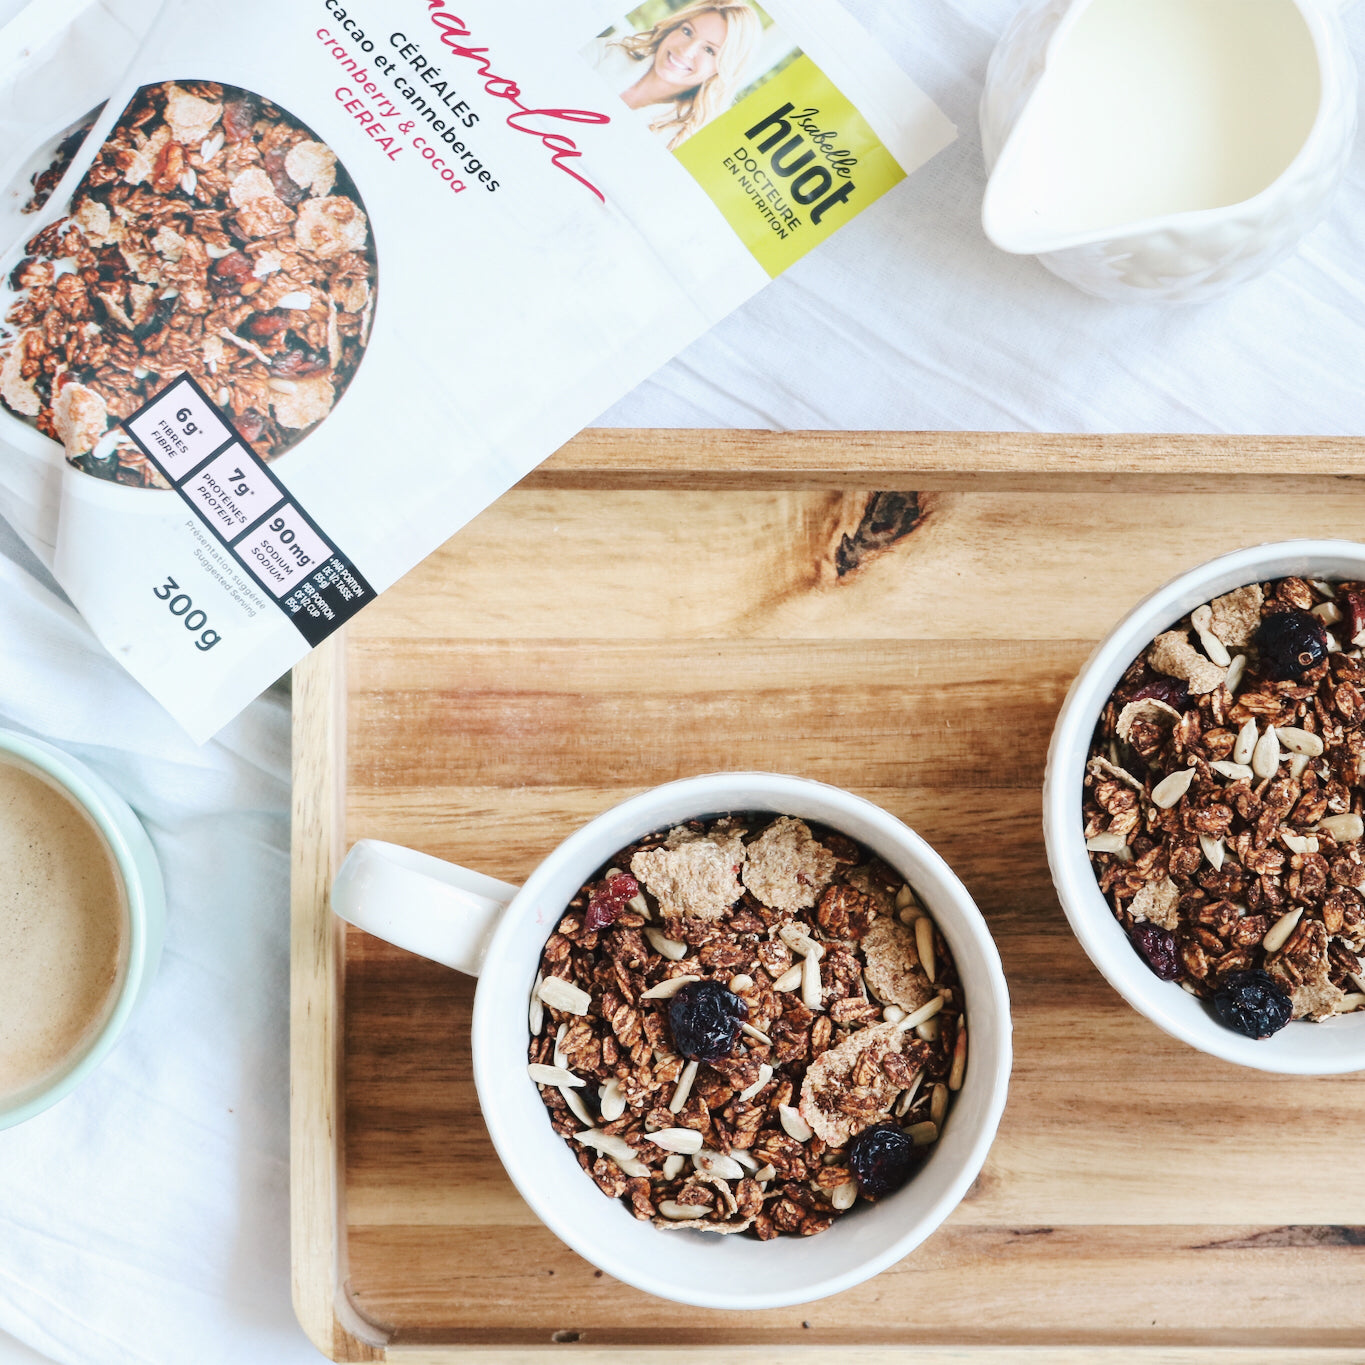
column 145, row 1219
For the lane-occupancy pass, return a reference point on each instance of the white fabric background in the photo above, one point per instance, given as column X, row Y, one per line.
column 145, row 1219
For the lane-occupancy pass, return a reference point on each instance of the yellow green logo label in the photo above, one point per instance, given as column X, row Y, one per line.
column 790, row 164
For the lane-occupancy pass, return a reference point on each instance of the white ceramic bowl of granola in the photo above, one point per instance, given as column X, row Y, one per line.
column 1302, row 1048
column 689, row 1266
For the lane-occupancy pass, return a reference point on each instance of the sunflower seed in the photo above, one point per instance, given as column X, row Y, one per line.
column 563, row 995
column 764, row 1174
column 1171, row 788
column 300, row 299
column 1333, row 644
column 673, row 1164
column 893, row 1014
column 670, row 1208
column 714, row 1164
column 576, row 1106
column 745, row 1158
column 908, row 915
column 925, row 1011
column 1188, row 989
column 1299, row 843
column 1201, row 618
column 907, row 1097
column 1234, row 772
column 1328, row 613
column 1344, row 829
column 741, row 983
column 634, row 1166
column 1106, row 843
column 666, row 990
column 1300, row 741
column 938, row 1102
column 959, row 1069
column 1236, row 668
column 1278, row 934
column 188, row 181
column 922, row 1134
column 606, row 1143
column 667, row 947
column 928, row 1030
column 757, row 1034
column 793, row 1124
column 844, row 1196
column 684, row 1088
column 790, row 979
column 1265, row 758
column 905, row 896
column 611, row 1101
column 640, row 905
column 684, row 1140
column 924, row 945
column 537, row 1013
column 1323, row 586
column 553, row 1075
column 559, row 1058
column 812, row 992
column 210, row 147
column 1213, row 851
column 1246, row 742
column 765, row 1074
column 1298, row 764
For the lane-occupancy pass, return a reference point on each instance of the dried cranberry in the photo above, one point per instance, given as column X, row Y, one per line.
column 706, row 1020
column 1157, row 946
column 297, row 360
column 239, row 116
column 230, row 272
column 1253, row 1004
column 250, row 424
column 263, row 326
column 882, row 1159
column 1170, row 690
column 607, row 901
column 1290, row 643
column 286, row 189
column 1353, row 604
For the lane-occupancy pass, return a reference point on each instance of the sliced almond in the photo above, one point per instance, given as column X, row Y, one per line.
column 536, row 1016
column 1299, row 741
column 673, row 1164
column 1350, row 1002
column 924, row 946
column 666, row 990
column 812, row 991
column 1265, row 757
column 764, row 1174
column 553, row 1075
column 790, row 979
column 1299, row 843
column 1214, row 850
column 907, row 1097
column 1328, row 613
column 756, row 1034
column 1246, row 742
column 904, row 897
column 959, row 1067
column 1323, row 586
column 922, row 1134
column 1278, row 934
column 640, row 905
column 745, row 1159
column 1202, row 620
column 938, row 1102
column 765, row 1074
column 671, row 1209
column 666, row 947
column 1172, row 787
column 793, row 1124
column 1344, row 829
column 1234, row 772
column 563, row 995
column 1236, row 669
column 559, row 1057
column 928, row 1030
column 684, row 1140
column 576, row 1106
column 925, row 1011
column 844, row 1196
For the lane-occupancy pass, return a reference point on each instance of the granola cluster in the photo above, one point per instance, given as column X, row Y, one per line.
column 213, row 235
column 44, row 181
column 852, row 1024
column 1223, row 801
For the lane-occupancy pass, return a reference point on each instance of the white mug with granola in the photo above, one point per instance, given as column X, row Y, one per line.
column 738, row 1004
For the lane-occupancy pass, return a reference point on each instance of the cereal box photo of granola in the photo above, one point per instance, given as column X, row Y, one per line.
column 1223, row 812
column 214, row 236
column 738, row 1059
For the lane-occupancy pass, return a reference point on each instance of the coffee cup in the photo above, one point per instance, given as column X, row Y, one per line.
column 496, row 931
column 82, row 918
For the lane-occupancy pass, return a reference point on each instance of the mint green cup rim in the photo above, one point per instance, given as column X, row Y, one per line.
column 144, row 896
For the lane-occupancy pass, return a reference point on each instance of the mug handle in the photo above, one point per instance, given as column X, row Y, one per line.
column 420, row 903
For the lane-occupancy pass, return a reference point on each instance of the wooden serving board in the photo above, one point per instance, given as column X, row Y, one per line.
column 653, row 605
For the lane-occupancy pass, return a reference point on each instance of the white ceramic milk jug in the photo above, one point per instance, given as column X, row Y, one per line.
column 1165, row 149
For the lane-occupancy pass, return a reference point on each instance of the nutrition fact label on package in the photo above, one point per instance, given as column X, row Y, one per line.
column 230, row 489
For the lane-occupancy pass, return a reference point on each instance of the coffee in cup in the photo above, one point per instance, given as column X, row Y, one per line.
column 64, row 931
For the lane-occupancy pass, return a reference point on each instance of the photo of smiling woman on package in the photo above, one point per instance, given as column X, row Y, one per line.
column 679, row 65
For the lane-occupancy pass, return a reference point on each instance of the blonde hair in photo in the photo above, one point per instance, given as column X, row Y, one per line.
column 693, row 109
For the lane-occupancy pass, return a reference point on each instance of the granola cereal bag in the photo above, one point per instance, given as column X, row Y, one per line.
column 326, row 278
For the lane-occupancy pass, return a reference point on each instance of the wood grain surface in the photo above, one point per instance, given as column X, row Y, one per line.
column 653, row 605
